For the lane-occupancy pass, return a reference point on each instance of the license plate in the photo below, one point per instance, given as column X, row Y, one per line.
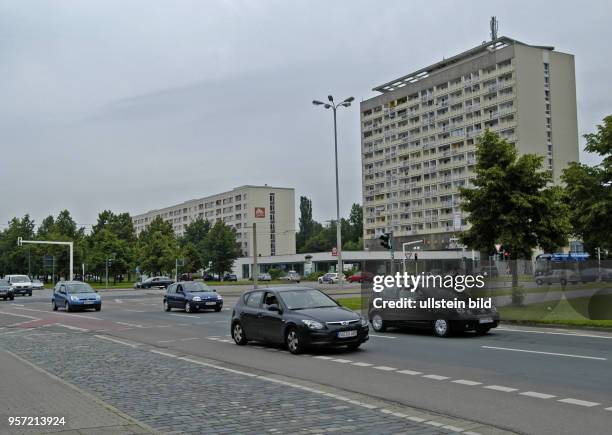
column 211, row 303
column 88, row 302
column 485, row 320
column 347, row 334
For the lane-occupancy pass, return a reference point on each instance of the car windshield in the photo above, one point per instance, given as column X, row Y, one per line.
column 302, row 299
column 196, row 286
column 20, row 279
column 3, row 282
column 80, row 287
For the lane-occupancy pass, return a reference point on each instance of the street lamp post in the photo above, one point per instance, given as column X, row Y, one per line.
column 334, row 107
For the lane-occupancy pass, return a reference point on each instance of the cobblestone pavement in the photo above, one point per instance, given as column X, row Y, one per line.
column 183, row 396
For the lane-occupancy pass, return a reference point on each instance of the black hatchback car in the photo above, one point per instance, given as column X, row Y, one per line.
column 6, row 290
column 296, row 317
column 443, row 321
column 192, row 296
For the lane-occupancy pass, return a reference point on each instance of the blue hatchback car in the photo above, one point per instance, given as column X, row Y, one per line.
column 75, row 295
column 192, row 296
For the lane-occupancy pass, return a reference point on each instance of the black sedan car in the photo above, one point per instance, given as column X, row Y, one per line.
column 443, row 321
column 155, row 281
column 296, row 317
column 6, row 290
column 192, row 296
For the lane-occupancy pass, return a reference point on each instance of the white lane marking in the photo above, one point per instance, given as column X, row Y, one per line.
column 61, row 313
column 545, row 353
column 386, row 411
column 162, row 353
column 578, row 402
column 436, row 377
column 500, row 388
column 190, row 338
column 165, row 341
column 574, row 334
column 323, row 357
column 466, row 382
column 410, row 372
column 118, row 301
column 343, row 361
column 229, row 341
column 608, row 409
column 537, row 395
column 134, row 311
column 125, row 343
column 471, row 433
column 362, row 364
column 212, row 338
column 179, row 315
column 19, row 315
column 74, row 328
column 453, row 428
column 434, row 423
column 131, row 325
column 385, row 368
column 381, row 336
column 416, row 419
column 221, row 321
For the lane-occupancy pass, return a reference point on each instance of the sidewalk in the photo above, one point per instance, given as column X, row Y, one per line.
column 30, row 391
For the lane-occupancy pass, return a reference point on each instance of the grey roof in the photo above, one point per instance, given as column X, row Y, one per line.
column 415, row 76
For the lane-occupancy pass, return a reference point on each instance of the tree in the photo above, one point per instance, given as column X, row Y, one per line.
column 356, row 220
column 13, row 258
column 221, row 248
column 512, row 204
column 306, row 223
column 193, row 243
column 589, row 191
column 158, row 248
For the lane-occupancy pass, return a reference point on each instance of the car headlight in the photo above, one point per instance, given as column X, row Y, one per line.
column 364, row 322
column 196, row 299
column 312, row 324
column 74, row 298
column 219, row 297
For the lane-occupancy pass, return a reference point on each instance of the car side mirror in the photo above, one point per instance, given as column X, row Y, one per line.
column 274, row 307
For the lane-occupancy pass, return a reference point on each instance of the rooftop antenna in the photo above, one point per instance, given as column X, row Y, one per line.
column 493, row 26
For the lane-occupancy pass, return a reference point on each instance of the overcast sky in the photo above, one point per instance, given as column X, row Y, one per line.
column 134, row 105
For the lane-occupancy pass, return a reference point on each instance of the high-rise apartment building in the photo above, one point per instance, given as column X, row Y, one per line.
column 419, row 135
column 271, row 208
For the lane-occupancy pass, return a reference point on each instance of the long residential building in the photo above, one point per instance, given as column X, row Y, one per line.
column 419, row 135
column 271, row 208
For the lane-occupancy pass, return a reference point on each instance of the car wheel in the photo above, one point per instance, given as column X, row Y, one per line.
column 53, row 305
column 378, row 324
column 354, row 346
column 292, row 339
column 442, row 328
column 67, row 307
column 482, row 331
column 538, row 281
column 11, row 297
column 238, row 334
column 188, row 308
column 217, row 309
column 98, row 308
column 166, row 306
column 30, row 294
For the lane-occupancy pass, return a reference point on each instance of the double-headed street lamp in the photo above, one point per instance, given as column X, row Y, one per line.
column 334, row 106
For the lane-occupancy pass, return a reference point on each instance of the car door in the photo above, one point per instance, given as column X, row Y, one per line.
column 270, row 322
column 180, row 298
column 170, row 293
column 61, row 296
column 248, row 316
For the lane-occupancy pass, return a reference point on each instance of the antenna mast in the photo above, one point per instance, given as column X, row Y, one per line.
column 493, row 26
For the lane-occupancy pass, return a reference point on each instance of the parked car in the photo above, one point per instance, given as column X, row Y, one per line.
column 296, row 317
column 155, row 281
column 264, row 277
column 21, row 284
column 6, row 290
column 37, row 285
column 558, row 276
column 192, row 296
column 593, row 274
column 331, row 278
column 361, row 277
column 442, row 321
column 210, row 276
column 293, row 276
column 230, row 277
column 75, row 295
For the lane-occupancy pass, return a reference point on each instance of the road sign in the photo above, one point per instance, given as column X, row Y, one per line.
column 335, row 251
column 47, row 260
column 497, row 247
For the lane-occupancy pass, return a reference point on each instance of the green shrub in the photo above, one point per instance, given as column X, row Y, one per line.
column 275, row 273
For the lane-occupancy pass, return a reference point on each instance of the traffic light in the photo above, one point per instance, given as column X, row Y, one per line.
column 386, row 241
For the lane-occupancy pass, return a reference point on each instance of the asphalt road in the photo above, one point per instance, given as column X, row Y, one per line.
column 528, row 380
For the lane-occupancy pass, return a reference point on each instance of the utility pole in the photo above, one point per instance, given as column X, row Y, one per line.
column 599, row 263
column 254, row 255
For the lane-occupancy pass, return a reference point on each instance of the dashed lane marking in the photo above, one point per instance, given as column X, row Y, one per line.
column 114, row 340
column 500, row 388
column 537, row 395
column 436, row 377
column 466, row 382
column 578, row 402
column 385, row 368
column 410, row 372
column 343, row 361
column 362, row 364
